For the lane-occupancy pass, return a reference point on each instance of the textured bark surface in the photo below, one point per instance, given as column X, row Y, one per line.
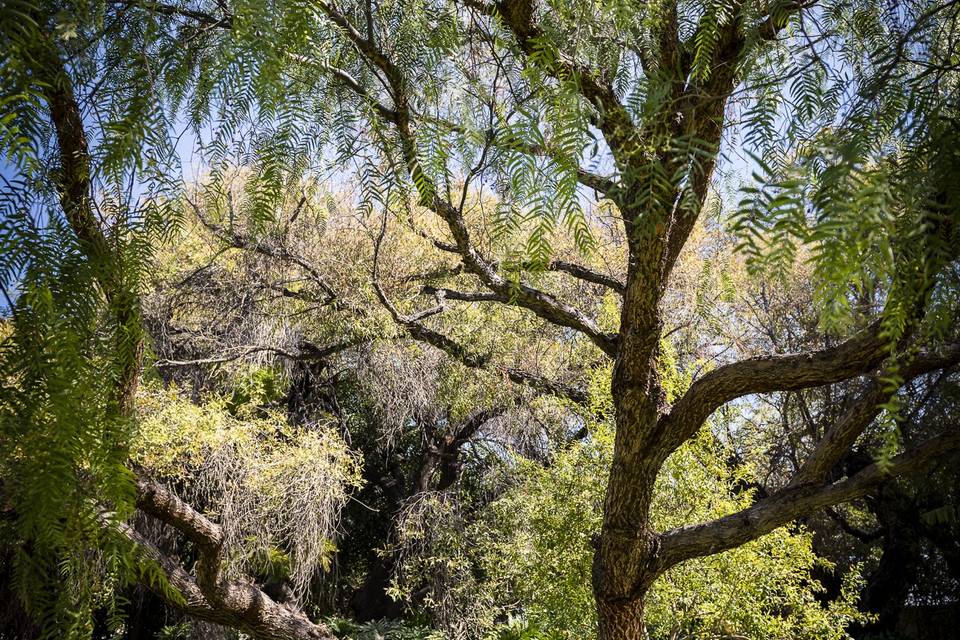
column 211, row 595
column 621, row 618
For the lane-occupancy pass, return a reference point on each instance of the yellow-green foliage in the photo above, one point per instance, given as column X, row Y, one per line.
column 533, row 548
column 270, row 486
column 541, row 551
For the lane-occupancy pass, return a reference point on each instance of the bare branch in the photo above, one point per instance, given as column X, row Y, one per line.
column 473, row 360
column 238, row 241
column 238, row 353
column 464, row 296
column 856, row 532
column 307, row 351
column 583, row 273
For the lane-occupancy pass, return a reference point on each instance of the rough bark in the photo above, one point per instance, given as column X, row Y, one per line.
column 734, row 530
column 211, row 595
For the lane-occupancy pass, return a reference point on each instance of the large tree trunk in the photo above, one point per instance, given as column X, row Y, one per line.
column 623, row 567
column 620, row 619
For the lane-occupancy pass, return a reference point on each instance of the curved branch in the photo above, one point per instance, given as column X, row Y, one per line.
column 854, row 357
column 842, row 435
column 212, row 595
column 539, row 302
column 470, row 358
column 781, row 508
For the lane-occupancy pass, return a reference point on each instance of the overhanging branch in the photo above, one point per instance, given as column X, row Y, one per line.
column 739, row 528
column 856, row 356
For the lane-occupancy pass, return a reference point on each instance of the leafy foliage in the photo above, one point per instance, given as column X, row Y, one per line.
column 275, row 488
column 505, row 135
column 530, row 552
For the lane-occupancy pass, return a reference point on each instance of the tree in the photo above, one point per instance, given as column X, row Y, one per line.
column 298, row 299
column 435, row 101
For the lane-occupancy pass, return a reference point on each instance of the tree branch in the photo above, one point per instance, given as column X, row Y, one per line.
column 856, row 356
column 463, row 296
column 473, row 360
column 842, row 435
column 174, row 11
column 539, row 302
column 614, row 120
column 583, row 273
column 212, row 595
column 307, row 352
column 739, row 528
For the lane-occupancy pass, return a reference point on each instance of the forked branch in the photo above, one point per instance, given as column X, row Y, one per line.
column 212, row 595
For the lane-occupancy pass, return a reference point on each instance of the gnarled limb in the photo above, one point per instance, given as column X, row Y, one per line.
column 211, row 595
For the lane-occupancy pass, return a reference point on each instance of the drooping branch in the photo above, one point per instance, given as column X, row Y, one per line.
column 235, row 354
column 352, row 83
